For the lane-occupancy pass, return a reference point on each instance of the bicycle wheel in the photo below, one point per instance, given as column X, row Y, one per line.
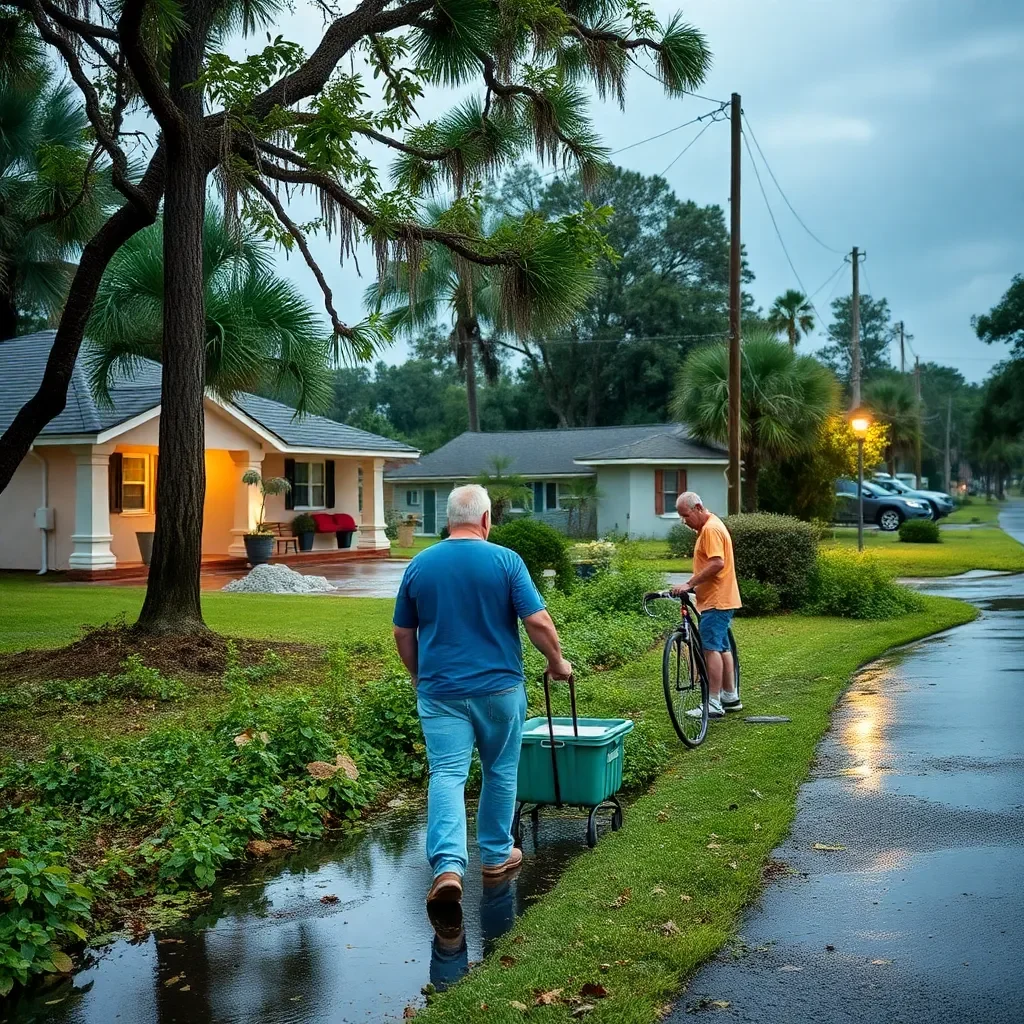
column 685, row 679
column 735, row 659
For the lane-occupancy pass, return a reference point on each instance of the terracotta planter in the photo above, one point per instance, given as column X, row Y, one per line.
column 406, row 533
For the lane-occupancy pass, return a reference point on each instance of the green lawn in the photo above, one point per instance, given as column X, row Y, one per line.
column 653, row 901
column 959, row 550
column 979, row 511
column 418, row 544
column 38, row 613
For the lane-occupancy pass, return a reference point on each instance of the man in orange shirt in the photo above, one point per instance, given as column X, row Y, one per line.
column 718, row 597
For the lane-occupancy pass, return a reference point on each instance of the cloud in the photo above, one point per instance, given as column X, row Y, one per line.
column 814, row 129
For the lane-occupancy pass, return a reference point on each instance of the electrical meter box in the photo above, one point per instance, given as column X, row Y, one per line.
column 44, row 518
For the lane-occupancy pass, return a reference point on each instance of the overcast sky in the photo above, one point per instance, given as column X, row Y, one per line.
column 893, row 125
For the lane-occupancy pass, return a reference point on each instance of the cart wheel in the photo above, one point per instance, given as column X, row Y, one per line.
column 517, row 825
column 535, row 817
column 617, row 819
column 592, row 829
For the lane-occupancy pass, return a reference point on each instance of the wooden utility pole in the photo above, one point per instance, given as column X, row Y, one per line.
column 920, row 415
column 949, row 426
column 903, row 357
column 855, row 331
column 735, row 299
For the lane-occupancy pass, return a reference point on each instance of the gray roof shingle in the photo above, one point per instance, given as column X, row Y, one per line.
column 534, row 453
column 673, row 443
column 23, row 360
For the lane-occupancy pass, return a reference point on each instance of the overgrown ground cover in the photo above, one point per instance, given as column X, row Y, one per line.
column 654, row 900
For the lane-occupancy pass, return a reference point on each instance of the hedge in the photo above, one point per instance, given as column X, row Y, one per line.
column 780, row 550
column 920, row 531
column 540, row 546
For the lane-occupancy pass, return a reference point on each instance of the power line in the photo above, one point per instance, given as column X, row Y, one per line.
column 661, row 135
column 785, row 198
column 829, row 279
column 686, row 148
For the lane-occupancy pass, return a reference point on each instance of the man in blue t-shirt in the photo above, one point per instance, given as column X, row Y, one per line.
column 457, row 631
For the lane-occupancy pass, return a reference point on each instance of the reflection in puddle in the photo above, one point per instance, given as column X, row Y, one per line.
column 864, row 716
column 339, row 935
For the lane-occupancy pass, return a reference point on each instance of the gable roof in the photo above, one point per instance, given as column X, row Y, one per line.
column 536, row 453
column 673, row 444
column 23, row 360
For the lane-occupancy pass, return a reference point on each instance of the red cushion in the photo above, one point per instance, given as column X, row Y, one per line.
column 344, row 522
column 324, row 522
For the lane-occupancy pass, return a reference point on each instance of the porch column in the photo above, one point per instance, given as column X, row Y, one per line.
column 247, row 500
column 346, row 487
column 91, row 539
column 371, row 530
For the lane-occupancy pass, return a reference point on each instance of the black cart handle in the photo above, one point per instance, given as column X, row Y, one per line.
column 551, row 728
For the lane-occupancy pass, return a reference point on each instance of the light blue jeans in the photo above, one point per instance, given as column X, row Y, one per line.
column 494, row 723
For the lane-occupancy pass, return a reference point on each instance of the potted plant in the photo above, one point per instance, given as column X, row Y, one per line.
column 406, row 530
column 304, row 528
column 259, row 541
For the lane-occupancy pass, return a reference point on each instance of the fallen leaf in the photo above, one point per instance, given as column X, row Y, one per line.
column 830, row 948
column 62, row 962
column 622, row 899
column 507, row 961
column 173, row 981
column 720, row 1004
column 594, row 990
column 622, row 963
column 516, row 1005
column 54, row 1002
column 670, row 928
column 879, row 963
column 714, row 835
column 582, row 1010
column 519, row 939
column 348, row 766
column 714, row 846
column 547, row 998
column 790, row 967
column 409, row 1012
column 484, row 1007
column 733, row 865
column 396, row 803
column 604, row 968
column 657, row 891
column 185, row 988
column 685, row 898
column 329, row 898
column 827, row 847
column 168, row 942
column 259, row 848
column 249, row 735
column 662, row 816
column 757, row 793
column 757, row 826
column 322, row 770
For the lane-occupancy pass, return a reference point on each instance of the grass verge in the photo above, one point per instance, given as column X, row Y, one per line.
column 979, row 511
column 654, row 900
column 959, row 551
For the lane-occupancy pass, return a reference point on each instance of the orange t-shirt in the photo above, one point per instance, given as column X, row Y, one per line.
column 721, row 591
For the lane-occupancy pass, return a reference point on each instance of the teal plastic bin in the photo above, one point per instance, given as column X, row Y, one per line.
column 589, row 764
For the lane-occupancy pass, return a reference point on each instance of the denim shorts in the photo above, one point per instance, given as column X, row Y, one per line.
column 714, row 629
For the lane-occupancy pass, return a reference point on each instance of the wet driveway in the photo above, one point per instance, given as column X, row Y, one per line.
column 335, row 934
column 920, row 916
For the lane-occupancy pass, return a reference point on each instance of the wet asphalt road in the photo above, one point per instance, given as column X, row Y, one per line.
column 921, row 917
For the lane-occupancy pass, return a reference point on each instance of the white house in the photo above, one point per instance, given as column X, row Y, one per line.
column 88, row 484
column 639, row 471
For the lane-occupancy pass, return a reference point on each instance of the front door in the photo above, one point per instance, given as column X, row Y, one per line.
column 430, row 512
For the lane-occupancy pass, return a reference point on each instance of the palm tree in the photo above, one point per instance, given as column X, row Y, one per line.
column 53, row 195
column 894, row 404
column 785, row 399
column 505, row 489
column 791, row 315
column 416, row 301
column 261, row 334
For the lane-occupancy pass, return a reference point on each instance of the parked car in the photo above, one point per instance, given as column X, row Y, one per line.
column 942, row 504
column 882, row 507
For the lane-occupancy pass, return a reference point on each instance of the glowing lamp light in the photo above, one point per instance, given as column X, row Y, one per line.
column 860, row 423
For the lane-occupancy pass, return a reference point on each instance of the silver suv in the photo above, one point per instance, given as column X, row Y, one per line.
column 885, row 509
column 942, row 504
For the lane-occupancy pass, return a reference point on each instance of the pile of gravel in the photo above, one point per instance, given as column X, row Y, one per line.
column 278, row 579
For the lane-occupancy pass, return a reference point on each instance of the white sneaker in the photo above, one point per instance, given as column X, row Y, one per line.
column 715, row 710
column 731, row 701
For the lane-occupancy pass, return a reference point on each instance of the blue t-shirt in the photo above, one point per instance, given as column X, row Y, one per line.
column 465, row 598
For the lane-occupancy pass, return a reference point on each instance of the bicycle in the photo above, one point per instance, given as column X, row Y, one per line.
column 684, row 687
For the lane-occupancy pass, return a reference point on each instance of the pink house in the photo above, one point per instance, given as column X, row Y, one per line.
column 87, row 487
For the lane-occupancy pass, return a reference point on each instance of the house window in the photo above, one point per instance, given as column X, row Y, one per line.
column 668, row 485
column 412, row 498
column 309, row 489
column 134, row 483
column 551, row 496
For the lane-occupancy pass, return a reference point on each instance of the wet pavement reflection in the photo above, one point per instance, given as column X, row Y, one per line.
column 338, row 933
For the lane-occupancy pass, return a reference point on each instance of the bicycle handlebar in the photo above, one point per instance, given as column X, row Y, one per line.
column 666, row 595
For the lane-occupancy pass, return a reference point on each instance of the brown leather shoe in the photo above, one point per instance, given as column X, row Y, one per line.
column 515, row 858
column 447, row 887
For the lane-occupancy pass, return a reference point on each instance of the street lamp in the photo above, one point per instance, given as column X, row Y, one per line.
column 860, row 423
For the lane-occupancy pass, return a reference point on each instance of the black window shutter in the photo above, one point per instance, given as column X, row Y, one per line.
column 289, row 475
column 329, row 481
column 114, row 478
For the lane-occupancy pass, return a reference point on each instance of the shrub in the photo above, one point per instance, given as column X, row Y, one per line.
column 305, row 523
column 920, row 531
column 775, row 549
column 392, row 520
column 758, row 598
column 857, row 587
column 681, row 540
column 540, row 546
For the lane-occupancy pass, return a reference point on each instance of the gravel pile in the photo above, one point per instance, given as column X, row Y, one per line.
column 278, row 579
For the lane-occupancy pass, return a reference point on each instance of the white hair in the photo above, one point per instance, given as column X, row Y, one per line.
column 688, row 500
column 467, row 505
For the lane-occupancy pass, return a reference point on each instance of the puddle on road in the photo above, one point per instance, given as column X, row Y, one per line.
column 269, row 949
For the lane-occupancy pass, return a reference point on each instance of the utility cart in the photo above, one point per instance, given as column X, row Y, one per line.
column 570, row 761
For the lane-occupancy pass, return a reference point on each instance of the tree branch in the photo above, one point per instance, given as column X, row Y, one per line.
column 73, row 24
column 143, row 67
column 304, row 117
column 300, row 240
column 53, row 215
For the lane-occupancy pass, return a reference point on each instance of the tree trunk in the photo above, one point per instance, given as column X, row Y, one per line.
column 172, row 602
column 468, row 343
column 752, row 469
column 8, row 306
